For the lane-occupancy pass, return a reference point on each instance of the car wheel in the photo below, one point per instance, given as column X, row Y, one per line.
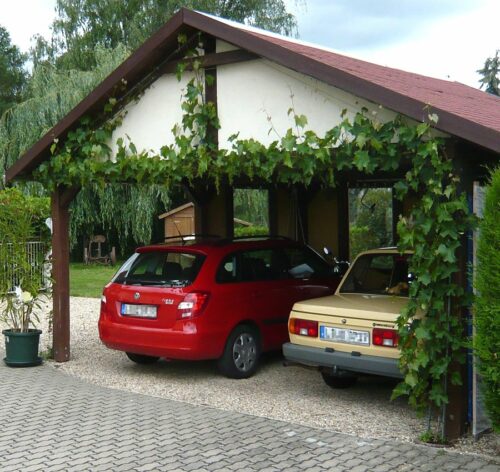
column 241, row 353
column 141, row 358
column 339, row 381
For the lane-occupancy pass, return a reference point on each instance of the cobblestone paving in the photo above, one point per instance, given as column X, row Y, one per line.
column 53, row 422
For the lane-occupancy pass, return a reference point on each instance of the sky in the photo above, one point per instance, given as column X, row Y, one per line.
column 448, row 39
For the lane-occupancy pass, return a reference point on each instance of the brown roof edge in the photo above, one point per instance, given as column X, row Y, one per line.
column 131, row 66
column 448, row 122
column 176, row 210
column 139, row 62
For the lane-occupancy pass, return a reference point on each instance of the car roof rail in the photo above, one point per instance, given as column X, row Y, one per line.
column 262, row 236
column 188, row 238
column 258, row 237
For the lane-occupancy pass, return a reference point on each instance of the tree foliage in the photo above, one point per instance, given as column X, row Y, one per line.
column 487, row 304
column 83, row 25
column 12, row 73
column 252, row 205
column 51, row 94
column 490, row 75
column 90, row 38
column 370, row 219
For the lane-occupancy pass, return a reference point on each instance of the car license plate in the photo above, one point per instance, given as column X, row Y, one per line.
column 141, row 311
column 344, row 335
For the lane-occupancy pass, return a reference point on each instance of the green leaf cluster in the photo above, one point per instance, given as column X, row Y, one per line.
column 487, row 303
column 431, row 332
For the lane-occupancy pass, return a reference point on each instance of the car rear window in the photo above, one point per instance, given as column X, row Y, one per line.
column 160, row 268
column 379, row 274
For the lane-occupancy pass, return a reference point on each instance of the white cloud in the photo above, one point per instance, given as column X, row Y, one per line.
column 444, row 39
column 440, row 38
column 25, row 18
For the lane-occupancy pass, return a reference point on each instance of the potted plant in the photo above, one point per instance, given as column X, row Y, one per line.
column 21, row 275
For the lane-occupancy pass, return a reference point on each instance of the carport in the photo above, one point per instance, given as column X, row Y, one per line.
column 254, row 79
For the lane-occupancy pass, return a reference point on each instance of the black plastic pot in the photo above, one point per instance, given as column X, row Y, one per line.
column 21, row 349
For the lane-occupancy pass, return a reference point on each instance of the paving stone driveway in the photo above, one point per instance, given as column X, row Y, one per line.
column 50, row 421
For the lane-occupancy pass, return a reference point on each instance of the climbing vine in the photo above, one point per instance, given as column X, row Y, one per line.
column 430, row 328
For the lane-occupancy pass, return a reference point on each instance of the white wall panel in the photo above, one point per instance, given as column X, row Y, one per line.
column 149, row 121
column 254, row 97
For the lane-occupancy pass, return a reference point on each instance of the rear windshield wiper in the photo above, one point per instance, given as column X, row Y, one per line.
column 161, row 283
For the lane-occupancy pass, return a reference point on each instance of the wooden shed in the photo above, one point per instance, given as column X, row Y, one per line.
column 179, row 221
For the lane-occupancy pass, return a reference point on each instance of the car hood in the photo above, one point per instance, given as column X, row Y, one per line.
column 355, row 305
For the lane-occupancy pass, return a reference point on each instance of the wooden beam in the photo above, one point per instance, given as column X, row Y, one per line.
column 273, row 211
column 397, row 211
column 60, row 201
column 211, row 60
column 456, row 412
column 343, row 220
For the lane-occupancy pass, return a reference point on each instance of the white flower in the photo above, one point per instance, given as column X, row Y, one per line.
column 18, row 292
column 26, row 297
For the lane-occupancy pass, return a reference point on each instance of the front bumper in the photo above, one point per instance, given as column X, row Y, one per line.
column 316, row 357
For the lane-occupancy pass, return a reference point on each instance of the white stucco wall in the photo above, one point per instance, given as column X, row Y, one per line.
column 149, row 121
column 255, row 96
column 253, row 99
column 222, row 46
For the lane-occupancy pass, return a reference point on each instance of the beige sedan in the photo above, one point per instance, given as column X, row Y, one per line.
column 353, row 331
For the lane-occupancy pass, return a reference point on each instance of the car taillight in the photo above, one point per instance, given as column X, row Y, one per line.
column 385, row 337
column 192, row 305
column 303, row 327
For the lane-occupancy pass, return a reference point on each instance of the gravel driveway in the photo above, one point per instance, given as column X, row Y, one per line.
column 292, row 394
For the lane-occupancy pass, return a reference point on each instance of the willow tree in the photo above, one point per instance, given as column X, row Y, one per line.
column 90, row 38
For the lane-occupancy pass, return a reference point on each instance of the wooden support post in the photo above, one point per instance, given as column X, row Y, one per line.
column 60, row 200
column 397, row 211
column 229, row 211
column 273, row 211
column 343, row 220
column 456, row 413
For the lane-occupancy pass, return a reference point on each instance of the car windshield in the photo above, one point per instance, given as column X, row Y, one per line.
column 160, row 268
column 385, row 274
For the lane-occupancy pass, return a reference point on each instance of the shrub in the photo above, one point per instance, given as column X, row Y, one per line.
column 21, row 221
column 250, row 231
column 487, row 304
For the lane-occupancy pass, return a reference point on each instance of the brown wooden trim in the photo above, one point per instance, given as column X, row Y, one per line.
column 60, row 201
column 343, row 220
column 273, row 211
column 161, row 47
column 132, row 70
column 229, row 211
column 397, row 211
column 212, row 60
column 413, row 108
column 456, row 410
column 211, row 87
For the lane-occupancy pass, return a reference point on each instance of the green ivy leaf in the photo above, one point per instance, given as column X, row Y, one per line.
column 361, row 159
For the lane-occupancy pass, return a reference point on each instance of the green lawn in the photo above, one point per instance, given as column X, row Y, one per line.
column 89, row 280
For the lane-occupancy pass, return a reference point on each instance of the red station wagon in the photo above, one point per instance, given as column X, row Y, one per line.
column 213, row 299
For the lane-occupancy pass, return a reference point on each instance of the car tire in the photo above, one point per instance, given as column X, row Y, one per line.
column 241, row 354
column 339, row 381
column 141, row 358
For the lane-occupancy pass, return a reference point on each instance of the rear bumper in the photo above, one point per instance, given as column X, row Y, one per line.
column 187, row 344
column 315, row 357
